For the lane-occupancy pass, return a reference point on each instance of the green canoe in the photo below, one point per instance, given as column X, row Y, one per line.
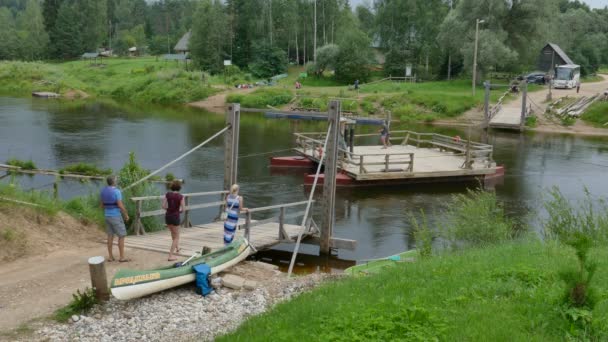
column 376, row 265
column 129, row 284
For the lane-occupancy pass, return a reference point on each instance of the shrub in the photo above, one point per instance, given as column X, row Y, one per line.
column 85, row 169
column 169, row 177
column 81, row 303
column 422, row 234
column 597, row 114
column 567, row 120
column 476, row 219
column 24, row 164
column 531, row 121
column 261, row 98
column 368, row 107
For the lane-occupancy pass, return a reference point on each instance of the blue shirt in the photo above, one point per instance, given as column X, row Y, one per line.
column 110, row 196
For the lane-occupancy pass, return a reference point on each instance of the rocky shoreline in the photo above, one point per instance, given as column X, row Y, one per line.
column 181, row 314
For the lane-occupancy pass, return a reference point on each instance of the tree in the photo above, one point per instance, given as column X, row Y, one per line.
column 8, row 35
column 268, row 61
column 32, row 34
column 66, row 33
column 354, row 57
column 327, row 57
column 209, row 33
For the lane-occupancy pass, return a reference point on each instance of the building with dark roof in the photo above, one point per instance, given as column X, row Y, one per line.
column 552, row 55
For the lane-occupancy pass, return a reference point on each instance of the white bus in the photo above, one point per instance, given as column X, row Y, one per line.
column 567, row 76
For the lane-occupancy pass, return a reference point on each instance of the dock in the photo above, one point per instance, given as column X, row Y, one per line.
column 210, row 235
column 507, row 118
column 413, row 156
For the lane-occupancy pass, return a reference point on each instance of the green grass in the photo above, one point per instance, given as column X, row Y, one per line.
column 85, row 169
column 503, row 293
column 531, row 121
column 24, row 164
column 597, row 115
column 261, row 98
column 138, row 80
column 81, row 303
column 591, row 79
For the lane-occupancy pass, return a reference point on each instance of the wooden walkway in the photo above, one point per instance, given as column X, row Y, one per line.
column 507, row 117
column 211, row 235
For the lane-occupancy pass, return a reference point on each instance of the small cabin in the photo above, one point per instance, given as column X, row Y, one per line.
column 552, row 55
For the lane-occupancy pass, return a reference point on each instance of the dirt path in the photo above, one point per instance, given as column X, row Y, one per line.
column 36, row 286
column 538, row 101
column 217, row 102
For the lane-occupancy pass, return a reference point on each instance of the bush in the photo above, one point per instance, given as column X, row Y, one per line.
column 422, row 234
column 531, row 121
column 261, row 98
column 85, row 169
column 476, row 219
column 24, row 164
column 567, row 120
column 597, row 114
column 81, row 303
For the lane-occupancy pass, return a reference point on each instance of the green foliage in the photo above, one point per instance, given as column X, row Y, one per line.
column 476, row 219
column 565, row 220
column 268, row 61
column 129, row 174
column 85, row 169
column 261, row 98
column 169, row 177
column 578, row 292
column 81, row 303
column 514, row 288
column 24, row 164
column 327, row 57
column 86, row 209
column 531, row 121
column 422, row 234
column 567, row 120
column 209, row 33
column 368, row 107
column 597, row 114
column 152, row 81
column 354, row 56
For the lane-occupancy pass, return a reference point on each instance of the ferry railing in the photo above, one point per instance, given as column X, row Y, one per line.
column 138, row 227
column 474, row 152
column 280, row 218
column 362, row 162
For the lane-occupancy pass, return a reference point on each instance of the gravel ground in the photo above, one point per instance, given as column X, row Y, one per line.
column 180, row 314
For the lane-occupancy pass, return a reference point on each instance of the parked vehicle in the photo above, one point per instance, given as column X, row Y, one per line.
column 536, row 78
column 567, row 76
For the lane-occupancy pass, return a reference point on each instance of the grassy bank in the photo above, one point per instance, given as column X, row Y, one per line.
column 505, row 293
column 139, row 80
column 597, row 115
column 491, row 282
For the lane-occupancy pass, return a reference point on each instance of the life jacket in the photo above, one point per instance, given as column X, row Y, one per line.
column 108, row 198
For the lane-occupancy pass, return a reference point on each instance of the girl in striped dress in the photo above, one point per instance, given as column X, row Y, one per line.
column 234, row 205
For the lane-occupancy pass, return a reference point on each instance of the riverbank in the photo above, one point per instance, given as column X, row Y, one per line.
column 133, row 80
column 513, row 288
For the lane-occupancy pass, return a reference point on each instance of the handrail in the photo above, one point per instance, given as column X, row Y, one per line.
column 193, row 194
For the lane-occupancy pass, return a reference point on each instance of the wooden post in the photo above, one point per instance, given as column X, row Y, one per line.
column 411, row 162
column 248, row 226
column 361, row 168
column 187, row 223
column 524, row 96
column 486, row 105
column 351, row 143
column 282, row 225
column 138, row 225
column 468, row 163
column 99, row 281
column 329, row 182
column 386, row 156
column 231, row 148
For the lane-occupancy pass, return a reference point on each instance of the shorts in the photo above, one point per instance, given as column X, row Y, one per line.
column 172, row 220
column 115, row 226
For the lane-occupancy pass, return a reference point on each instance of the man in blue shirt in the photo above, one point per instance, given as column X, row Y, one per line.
column 111, row 202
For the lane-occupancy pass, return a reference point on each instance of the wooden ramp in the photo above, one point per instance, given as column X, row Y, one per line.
column 508, row 118
column 211, row 235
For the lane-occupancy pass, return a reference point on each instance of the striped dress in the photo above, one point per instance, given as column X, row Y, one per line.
column 232, row 218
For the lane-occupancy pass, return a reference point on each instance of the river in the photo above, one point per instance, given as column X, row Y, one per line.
column 55, row 134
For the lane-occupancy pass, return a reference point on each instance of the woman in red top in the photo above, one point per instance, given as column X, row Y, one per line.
column 174, row 204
